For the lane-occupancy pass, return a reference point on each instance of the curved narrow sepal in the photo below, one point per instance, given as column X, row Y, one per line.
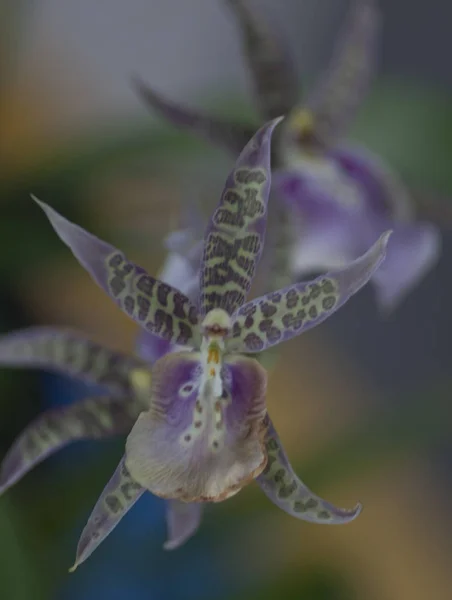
column 70, row 353
column 341, row 90
column 281, row 485
column 92, row 418
column 235, row 236
column 284, row 314
column 118, row 497
column 272, row 70
column 183, row 520
column 154, row 305
column 228, row 135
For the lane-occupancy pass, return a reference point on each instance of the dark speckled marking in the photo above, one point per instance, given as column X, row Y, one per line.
column 155, row 305
column 232, row 247
column 113, row 503
column 276, row 315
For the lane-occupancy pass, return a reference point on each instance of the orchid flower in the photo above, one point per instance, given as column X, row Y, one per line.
column 124, row 378
column 340, row 198
column 202, row 431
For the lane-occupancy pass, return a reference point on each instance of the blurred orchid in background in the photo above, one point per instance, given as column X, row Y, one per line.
column 199, row 429
column 340, row 198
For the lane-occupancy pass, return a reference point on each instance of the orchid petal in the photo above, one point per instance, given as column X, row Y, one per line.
column 181, row 270
column 118, row 497
column 383, row 190
column 328, row 213
column 282, row 315
column 272, row 70
column 413, row 251
column 91, row 418
column 235, row 236
column 183, row 520
column 282, row 486
column 193, row 445
column 154, row 305
column 71, row 353
column 337, row 98
column 228, row 135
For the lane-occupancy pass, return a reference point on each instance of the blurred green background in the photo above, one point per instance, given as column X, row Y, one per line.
column 362, row 404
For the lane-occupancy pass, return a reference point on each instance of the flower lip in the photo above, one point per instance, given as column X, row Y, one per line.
column 215, row 445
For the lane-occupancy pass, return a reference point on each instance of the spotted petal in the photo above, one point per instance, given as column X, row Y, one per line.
column 338, row 96
column 282, row 315
column 118, row 497
column 228, row 135
column 235, row 236
column 282, row 486
column 181, row 270
column 92, row 418
column 71, row 353
column 192, row 445
column 270, row 64
column 183, row 519
column 154, row 305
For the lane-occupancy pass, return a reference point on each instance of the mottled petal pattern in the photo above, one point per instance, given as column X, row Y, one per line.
column 192, row 445
column 181, row 270
column 92, row 418
column 281, row 315
column 282, row 486
column 154, row 305
column 235, row 237
column 68, row 352
column 273, row 72
column 183, row 520
column 228, row 135
column 336, row 99
column 118, row 497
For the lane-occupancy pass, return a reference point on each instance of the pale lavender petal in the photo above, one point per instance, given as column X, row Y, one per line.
column 341, row 90
column 272, row 69
column 235, row 237
column 332, row 232
column 228, row 135
column 71, row 353
column 154, row 305
column 413, row 250
column 92, row 418
column 329, row 215
column 118, row 497
column 414, row 247
column 383, row 192
column 183, row 520
column 282, row 315
column 282, row 486
column 150, row 347
column 192, row 445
